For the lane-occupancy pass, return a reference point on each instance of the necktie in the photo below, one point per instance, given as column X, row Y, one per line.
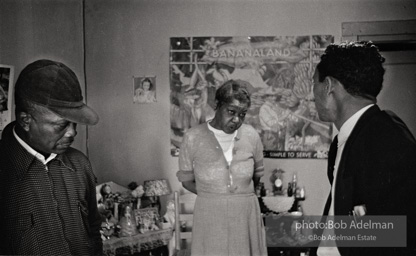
column 329, row 247
column 332, row 155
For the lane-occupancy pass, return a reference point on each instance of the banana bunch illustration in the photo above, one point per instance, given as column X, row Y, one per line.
column 302, row 88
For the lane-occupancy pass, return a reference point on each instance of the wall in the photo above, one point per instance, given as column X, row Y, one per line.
column 399, row 86
column 131, row 38
column 38, row 29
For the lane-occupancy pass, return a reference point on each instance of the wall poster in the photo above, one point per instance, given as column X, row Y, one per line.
column 278, row 70
column 6, row 95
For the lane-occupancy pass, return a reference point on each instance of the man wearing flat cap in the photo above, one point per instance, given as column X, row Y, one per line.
column 47, row 188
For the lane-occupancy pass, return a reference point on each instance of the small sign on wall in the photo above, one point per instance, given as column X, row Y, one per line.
column 144, row 89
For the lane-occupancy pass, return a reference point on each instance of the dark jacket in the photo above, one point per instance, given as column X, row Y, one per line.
column 46, row 210
column 378, row 170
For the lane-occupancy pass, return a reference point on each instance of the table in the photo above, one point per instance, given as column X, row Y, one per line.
column 282, row 238
column 136, row 244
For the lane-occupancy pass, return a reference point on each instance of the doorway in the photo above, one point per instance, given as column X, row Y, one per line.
column 397, row 43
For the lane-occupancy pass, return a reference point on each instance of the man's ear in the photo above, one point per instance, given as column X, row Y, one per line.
column 216, row 105
column 330, row 83
column 24, row 119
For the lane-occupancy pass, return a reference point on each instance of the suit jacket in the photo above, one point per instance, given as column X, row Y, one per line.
column 378, row 170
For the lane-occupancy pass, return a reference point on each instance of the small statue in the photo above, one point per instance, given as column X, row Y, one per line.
column 169, row 216
column 107, row 229
column 169, row 219
column 105, row 190
column 105, row 202
column 137, row 192
column 127, row 223
column 156, row 222
column 277, row 181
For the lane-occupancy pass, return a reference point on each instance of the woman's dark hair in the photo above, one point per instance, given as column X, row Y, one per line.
column 232, row 90
column 147, row 80
column 357, row 65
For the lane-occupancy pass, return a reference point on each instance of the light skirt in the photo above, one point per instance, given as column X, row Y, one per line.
column 228, row 224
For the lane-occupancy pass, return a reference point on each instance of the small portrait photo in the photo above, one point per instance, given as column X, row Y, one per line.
column 4, row 87
column 6, row 90
column 144, row 89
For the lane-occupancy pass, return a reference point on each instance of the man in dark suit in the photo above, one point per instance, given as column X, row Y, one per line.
column 372, row 161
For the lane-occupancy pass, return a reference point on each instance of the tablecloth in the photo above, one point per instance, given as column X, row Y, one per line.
column 133, row 244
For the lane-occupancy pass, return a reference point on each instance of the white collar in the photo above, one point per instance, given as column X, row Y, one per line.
column 32, row 151
column 349, row 125
column 221, row 133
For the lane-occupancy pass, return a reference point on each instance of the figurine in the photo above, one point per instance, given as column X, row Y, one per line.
column 137, row 192
column 277, row 181
column 107, row 197
column 105, row 191
column 107, row 230
column 127, row 223
column 169, row 216
column 169, row 219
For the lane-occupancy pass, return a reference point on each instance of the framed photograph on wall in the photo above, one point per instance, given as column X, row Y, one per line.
column 144, row 89
column 6, row 94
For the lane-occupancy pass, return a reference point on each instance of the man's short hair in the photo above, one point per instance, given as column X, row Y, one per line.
column 23, row 105
column 357, row 65
column 30, row 107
